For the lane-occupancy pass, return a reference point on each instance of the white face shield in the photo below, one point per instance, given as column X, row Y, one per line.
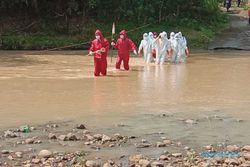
column 122, row 36
column 98, row 37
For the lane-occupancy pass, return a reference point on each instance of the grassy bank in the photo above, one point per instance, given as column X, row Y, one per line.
column 199, row 34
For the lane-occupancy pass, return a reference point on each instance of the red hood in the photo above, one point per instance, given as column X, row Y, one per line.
column 98, row 32
column 123, row 32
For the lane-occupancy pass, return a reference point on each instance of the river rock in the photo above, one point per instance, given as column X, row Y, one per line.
column 10, row 134
column 190, row 121
column 71, row 137
column 231, row 161
column 80, row 126
column 52, row 136
column 45, row 154
column 10, row 157
column 160, row 144
column 208, row 147
column 5, row 151
column 37, row 142
column 135, row 158
column 245, row 165
column 143, row 145
column 176, row 155
column 97, row 136
column 157, row 164
column 107, row 165
column 19, row 154
column 167, row 142
column 144, row 163
column 232, row 148
column 163, row 157
column 105, row 138
column 92, row 164
column 246, row 148
column 205, row 164
column 246, row 156
column 29, row 141
column 89, row 137
column 62, row 137
column 35, row 161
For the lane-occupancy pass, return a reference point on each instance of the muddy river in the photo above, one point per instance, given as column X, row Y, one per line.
column 212, row 88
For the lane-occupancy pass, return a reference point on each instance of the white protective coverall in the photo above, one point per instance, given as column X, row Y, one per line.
column 161, row 46
column 146, row 46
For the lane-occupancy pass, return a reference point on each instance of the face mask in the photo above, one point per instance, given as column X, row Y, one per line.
column 97, row 37
column 122, row 36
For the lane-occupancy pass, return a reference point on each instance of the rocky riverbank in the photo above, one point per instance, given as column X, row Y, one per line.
column 51, row 145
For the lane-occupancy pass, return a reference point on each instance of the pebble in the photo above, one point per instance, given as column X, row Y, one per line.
column 29, row 141
column 144, row 163
column 62, row 137
column 5, row 151
column 163, row 157
column 10, row 157
column 71, row 137
column 246, row 156
column 190, row 121
column 97, row 137
column 45, row 154
column 92, row 164
column 10, row 134
column 80, row 126
column 208, row 147
column 245, row 165
column 32, row 128
column 246, row 148
column 106, row 165
column 167, row 142
column 143, row 145
column 19, row 154
column 35, row 161
column 157, row 164
column 160, row 144
column 176, row 155
column 105, row 138
column 52, row 136
column 232, row 148
column 231, row 161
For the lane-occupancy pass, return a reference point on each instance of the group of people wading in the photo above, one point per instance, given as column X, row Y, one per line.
column 154, row 47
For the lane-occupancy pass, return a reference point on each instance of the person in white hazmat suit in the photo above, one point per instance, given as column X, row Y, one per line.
column 161, row 46
column 173, row 47
column 146, row 46
column 180, row 50
column 183, row 46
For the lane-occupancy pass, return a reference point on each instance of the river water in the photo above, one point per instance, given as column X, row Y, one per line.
column 212, row 88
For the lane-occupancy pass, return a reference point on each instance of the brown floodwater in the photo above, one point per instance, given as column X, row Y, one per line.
column 212, row 88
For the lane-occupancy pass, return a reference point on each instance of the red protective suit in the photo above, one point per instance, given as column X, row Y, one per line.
column 124, row 46
column 100, row 59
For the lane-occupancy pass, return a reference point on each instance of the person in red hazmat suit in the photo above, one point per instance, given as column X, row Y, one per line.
column 99, row 48
column 124, row 45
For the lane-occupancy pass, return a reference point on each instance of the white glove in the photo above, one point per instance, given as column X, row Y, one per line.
column 112, row 43
column 91, row 53
column 135, row 52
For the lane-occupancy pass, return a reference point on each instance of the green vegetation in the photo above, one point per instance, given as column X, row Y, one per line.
column 50, row 24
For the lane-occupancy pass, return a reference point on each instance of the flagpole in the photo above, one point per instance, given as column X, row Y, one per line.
column 112, row 39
